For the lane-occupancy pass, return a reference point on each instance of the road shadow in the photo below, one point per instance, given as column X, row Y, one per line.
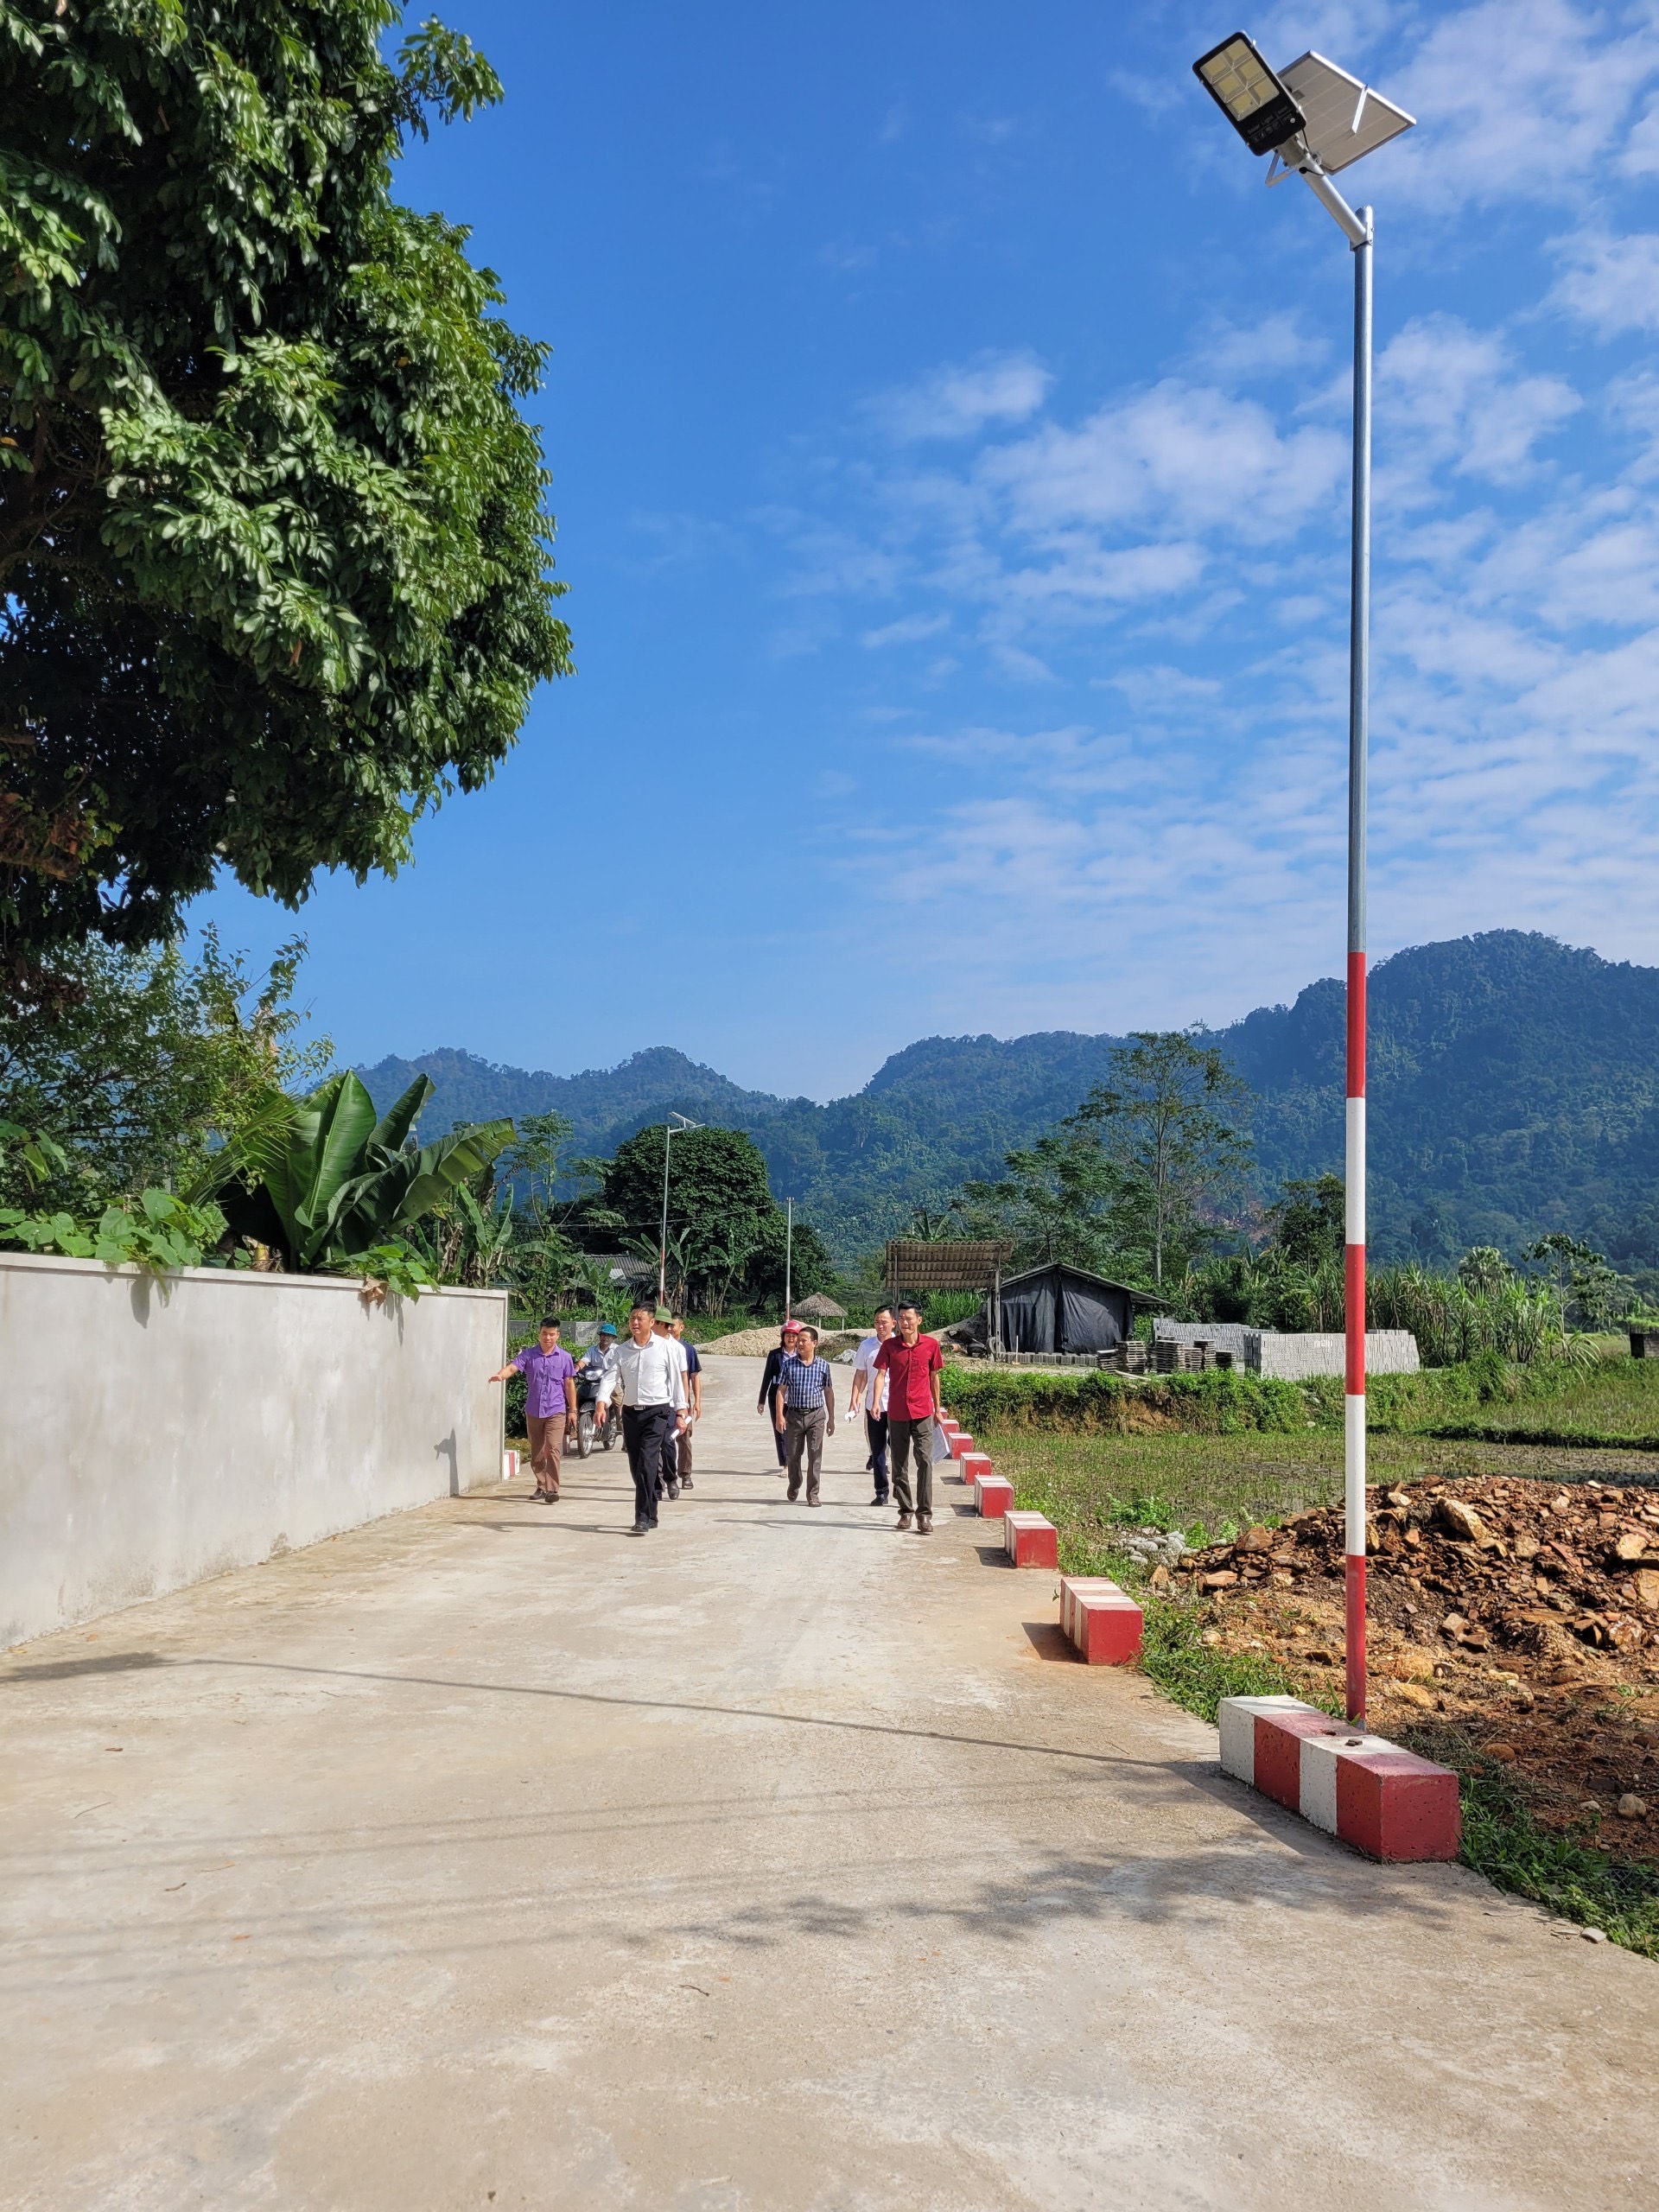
column 107, row 1663
column 1049, row 1641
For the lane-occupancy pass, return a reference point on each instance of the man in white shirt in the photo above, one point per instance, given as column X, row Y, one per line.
column 870, row 1384
column 653, row 1407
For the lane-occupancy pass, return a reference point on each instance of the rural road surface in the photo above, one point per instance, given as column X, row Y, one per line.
column 490, row 1856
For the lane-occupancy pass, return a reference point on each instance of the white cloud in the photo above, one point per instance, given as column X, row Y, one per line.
column 1449, row 397
column 955, row 402
column 1517, row 100
column 1180, row 458
column 1610, row 284
column 909, row 631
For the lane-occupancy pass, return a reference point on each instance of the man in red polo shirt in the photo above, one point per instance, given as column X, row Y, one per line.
column 912, row 1364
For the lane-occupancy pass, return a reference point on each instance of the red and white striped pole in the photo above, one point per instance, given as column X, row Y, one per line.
column 1358, row 733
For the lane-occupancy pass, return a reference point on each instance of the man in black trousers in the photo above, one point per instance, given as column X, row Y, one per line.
column 653, row 1407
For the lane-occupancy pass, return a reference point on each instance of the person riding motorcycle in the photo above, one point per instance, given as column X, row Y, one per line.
column 597, row 1378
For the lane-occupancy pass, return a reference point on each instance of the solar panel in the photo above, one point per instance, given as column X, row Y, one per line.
column 1346, row 119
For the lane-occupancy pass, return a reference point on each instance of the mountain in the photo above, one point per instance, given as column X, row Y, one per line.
column 604, row 1106
column 1514, row 1089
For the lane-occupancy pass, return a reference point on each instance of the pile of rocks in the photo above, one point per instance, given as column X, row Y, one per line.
column 1516, row 1561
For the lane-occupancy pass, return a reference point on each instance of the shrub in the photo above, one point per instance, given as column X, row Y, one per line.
column 1222, row 1402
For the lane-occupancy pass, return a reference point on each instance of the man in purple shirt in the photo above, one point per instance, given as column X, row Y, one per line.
column 549, row 1375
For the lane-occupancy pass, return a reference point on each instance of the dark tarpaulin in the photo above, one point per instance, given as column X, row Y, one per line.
column 1062, row 1309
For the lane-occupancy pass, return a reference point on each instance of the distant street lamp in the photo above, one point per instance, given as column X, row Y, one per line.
column 668, row 1134
column 1315, row 120
column 789, row 1253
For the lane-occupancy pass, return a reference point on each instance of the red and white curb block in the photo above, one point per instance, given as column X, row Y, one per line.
column 973, row 1465
column 1387, row 1803
column 992, row 1496
column 960, row 1442
column 1100, row 1620
column 509, row 1466
column 1030, row 1539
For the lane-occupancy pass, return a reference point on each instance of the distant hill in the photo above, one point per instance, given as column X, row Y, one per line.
column 1514, row 1087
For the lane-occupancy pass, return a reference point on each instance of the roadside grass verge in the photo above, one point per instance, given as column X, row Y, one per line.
column 1569, row 1873
column 1095, row 1488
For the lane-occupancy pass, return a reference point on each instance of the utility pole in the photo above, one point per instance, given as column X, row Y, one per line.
column 789, row 1253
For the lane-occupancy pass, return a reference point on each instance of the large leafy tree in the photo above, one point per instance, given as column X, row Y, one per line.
column 726, row 1232
column 1167, row 1123
column 1056, row 1199
column 138, row 1064
column 274, row 555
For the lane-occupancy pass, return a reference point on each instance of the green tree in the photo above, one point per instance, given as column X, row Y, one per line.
column 1483, row 1270
column 139, row 1065
column 1164, row 1121
column 274, row 555
column 1586, row 1289
column 726, row 1230
column 1058, row 1200
column 1307, row 1226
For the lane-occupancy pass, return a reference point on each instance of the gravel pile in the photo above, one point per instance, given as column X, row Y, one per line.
column 755, row 1344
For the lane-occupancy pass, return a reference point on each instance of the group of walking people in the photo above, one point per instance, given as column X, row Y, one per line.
column 896, row 1373
column 651, row 1381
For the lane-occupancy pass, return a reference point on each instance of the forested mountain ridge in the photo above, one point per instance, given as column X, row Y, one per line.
column 1513, row 1088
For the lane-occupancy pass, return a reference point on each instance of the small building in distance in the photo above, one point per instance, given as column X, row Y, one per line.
column 1065, row 1309
column 822, row 1311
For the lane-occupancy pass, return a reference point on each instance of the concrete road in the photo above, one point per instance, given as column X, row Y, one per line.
column 492, row 1856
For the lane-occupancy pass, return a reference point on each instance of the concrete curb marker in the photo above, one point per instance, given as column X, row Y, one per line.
column 1030, row 1539
column 509, row 1466
column 1364, row 1791
column 960, row 1442
column 1102, row 1621
column 992, row 1496
column 972, row 1465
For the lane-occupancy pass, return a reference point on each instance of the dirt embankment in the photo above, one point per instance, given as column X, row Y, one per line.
column 1525, row 1612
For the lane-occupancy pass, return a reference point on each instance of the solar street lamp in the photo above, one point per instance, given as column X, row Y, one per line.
column 1315, row 120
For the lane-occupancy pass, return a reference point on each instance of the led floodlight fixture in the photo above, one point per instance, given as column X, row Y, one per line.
column 1258, row 105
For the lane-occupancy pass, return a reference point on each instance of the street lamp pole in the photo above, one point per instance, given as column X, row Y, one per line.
column 1359, row 687
column 1314, row 119
column 789, row 1255
column 668, row 1134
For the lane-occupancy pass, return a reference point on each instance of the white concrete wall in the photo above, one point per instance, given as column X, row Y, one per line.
column 1295, row 1356
column 1298, row 1358
column 152, row 1434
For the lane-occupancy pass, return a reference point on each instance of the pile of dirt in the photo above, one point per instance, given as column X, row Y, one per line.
column 1526, row 1613
column 755, row 1344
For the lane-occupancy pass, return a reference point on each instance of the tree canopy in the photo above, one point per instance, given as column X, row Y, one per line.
column 726, row 1232
column 274, row 555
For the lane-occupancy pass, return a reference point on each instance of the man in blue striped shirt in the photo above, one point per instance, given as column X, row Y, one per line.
column 803, row 1410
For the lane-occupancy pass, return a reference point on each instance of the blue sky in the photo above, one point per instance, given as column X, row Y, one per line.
column 950, row 446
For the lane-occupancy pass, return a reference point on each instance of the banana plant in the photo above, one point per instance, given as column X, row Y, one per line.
column 325, row 1179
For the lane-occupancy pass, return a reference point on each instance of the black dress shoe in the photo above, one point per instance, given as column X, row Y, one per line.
column 673, row 1489
column 641, row 1527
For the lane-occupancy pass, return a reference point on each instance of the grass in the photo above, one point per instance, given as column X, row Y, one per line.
column 1093, row 1488
column 1613, row 1401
